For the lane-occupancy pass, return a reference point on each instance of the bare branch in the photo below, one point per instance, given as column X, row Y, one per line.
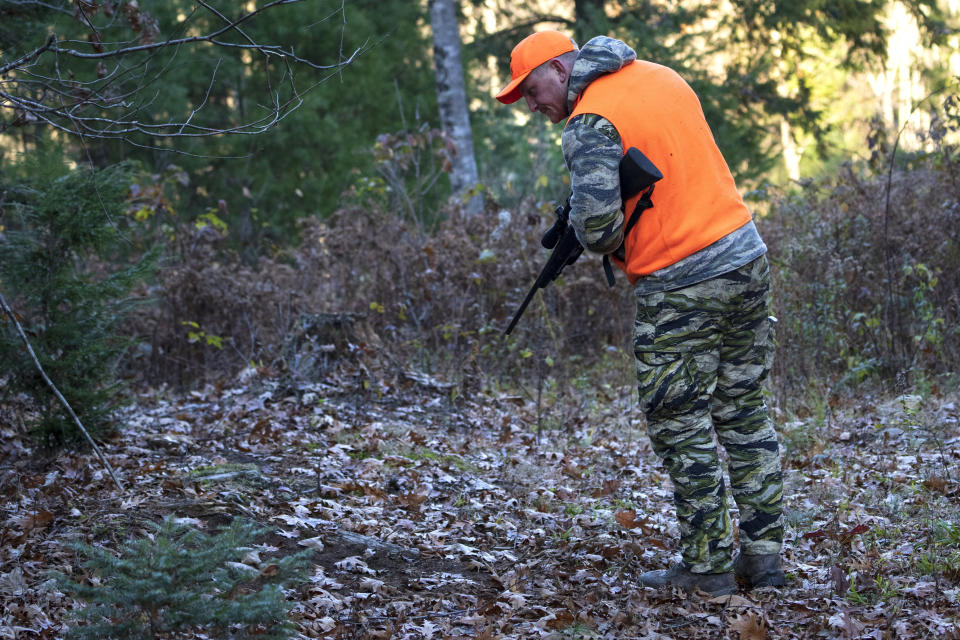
column 210, row 37
column 213, row 77
column 66, row 405
column 37, row 3
column 215, row 12
column 115, row 105
column 30, row 57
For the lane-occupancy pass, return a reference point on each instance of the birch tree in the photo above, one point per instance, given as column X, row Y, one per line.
column 452, row 99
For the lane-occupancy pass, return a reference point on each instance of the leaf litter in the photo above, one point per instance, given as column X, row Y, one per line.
column 429, row 518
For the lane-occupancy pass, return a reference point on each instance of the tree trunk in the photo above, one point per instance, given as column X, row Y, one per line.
column 586, row 15
column 452, row 98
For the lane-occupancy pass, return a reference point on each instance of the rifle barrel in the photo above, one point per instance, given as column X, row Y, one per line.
column 523, row 307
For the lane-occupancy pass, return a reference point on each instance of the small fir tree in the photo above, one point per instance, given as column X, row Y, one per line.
column 181, row 583
column 67, row 265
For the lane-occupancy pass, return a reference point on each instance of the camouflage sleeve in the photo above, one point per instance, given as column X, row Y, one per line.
column 592, row 150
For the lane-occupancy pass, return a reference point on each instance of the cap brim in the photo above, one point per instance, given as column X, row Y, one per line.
column 511, row 93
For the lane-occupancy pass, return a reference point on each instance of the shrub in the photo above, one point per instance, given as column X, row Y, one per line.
column 436, row 302
column 866, row 274
column 180, row 582
column 68, row 264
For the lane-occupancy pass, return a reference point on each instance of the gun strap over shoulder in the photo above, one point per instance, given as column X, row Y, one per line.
column 643, row 204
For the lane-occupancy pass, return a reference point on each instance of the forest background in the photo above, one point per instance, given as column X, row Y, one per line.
column 196, row 193
column 819, row 111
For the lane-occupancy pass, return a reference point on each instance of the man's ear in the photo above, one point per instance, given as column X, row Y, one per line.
column 557, row 65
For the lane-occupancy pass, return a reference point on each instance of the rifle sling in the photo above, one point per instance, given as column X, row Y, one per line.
column 643, row 204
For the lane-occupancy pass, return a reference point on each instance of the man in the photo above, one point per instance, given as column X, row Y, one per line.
column 703, row 338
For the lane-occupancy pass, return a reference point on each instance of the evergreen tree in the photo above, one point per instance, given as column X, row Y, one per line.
column 64, row 232
column 180, row 583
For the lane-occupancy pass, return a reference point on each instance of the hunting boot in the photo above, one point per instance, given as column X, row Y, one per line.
column 715, row 584
column 759, row 571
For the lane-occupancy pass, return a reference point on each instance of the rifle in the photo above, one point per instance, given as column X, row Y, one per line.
column 566, row 249
column 637, row 173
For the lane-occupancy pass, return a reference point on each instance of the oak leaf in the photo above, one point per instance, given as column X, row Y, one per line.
column 750, row 626
column 628, row 520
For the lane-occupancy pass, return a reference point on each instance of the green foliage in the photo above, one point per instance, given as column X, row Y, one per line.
column 941, row 553
column 68, row 265
column 179, row 582
column 946, row 534
column 751, row 66
column 755, row 65
column 304, row 164
column 320, row 150
column 197, row 335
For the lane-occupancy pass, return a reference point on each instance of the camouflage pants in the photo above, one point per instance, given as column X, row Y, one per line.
column 702, row 353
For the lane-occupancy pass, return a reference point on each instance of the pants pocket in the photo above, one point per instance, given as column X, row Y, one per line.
column 667, row 382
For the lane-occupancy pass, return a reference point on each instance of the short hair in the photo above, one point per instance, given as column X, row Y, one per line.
column 568, row 59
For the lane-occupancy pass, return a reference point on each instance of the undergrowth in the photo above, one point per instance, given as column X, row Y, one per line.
column 866, row 270
column 864, row 292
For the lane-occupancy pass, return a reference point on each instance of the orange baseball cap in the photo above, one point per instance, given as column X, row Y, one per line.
column 529, row 54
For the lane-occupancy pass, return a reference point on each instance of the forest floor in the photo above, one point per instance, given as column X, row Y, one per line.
column 434, row 516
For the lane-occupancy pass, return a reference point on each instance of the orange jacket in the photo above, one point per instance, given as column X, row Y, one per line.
column 696, row 203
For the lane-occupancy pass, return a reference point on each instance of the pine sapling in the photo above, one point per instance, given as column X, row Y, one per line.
column 179, row 582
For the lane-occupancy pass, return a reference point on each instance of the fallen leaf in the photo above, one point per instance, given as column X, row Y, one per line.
column 628, row 520
column 609, row 487
column 326, row 623
column 37, row 520
column 749, row 625
column 843, row 620
column 734, row 601
column 270, row 571
column 558, row 620
column 857, row 530
column 355, row 565
column 411, row 500
column 312, row 543
column 427, row 629
column 839, row 577
column 371, row 585
column 935, row 483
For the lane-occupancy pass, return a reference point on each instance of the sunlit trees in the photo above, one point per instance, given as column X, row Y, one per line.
column 765, row 71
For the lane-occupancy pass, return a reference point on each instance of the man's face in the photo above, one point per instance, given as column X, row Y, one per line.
column 545, row 90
